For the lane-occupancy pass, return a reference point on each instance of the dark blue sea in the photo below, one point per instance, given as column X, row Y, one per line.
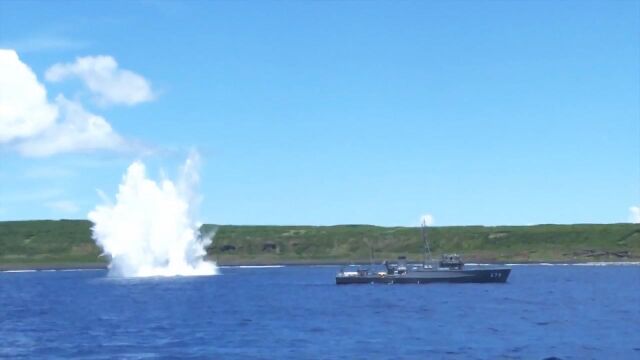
column 297, row 312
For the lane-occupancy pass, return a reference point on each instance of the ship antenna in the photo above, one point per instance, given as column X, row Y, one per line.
column 371, row 254
column 427, row 249
column 370, row 251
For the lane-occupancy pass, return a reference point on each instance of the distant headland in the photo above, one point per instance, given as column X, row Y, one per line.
column 68, row 243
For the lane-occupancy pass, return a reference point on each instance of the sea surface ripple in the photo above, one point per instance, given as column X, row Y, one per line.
column 297, row 312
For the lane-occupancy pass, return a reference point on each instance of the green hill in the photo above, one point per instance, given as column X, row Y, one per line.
column 68, row 242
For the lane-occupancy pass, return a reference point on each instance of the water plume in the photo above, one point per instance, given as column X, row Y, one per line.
column 427, row 220
column 634, row 214
column 149, row 230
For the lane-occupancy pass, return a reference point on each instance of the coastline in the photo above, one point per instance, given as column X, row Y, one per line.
column 104, row 266
column 67, row 244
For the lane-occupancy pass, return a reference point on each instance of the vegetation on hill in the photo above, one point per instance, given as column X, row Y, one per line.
column 611, row 242
column 69, row 242
column 47, row 242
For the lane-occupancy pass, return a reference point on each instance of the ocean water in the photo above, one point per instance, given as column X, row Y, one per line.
column 297, row 312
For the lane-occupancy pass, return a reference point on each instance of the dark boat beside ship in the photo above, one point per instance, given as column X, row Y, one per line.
column 449, row 269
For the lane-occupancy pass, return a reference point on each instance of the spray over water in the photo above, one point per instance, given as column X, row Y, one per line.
column 150, row 230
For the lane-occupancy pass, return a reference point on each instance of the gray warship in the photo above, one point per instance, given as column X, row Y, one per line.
column 449, row 268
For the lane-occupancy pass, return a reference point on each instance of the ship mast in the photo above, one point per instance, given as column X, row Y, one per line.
column 427, row 249
column 371, row 253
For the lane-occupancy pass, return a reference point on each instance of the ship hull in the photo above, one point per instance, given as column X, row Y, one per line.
column 430, row 276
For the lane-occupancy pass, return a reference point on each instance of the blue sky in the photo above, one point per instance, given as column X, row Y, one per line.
column 490, row 112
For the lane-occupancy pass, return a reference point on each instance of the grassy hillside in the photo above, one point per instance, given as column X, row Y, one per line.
column 47, row 242
column 69, row 242
column 353, row 242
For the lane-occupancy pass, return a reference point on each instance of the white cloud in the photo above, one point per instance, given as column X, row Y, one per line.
column 24, row 110
column 43, row 42
column 634, row 214
column 65, row 206
column 103, row 78
column 29, row 194
column 33, row 126
column 427, row 219
column 78, row 130
column 48, row 172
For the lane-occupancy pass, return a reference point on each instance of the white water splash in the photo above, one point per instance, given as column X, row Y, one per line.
column 150, row 230
column 427, row 220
